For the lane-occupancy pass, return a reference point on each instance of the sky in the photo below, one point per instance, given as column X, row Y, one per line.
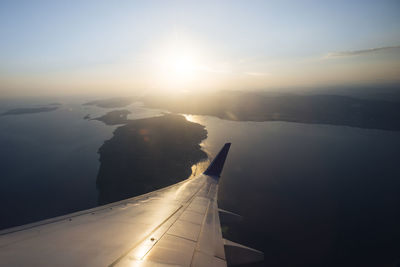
column 73, row 47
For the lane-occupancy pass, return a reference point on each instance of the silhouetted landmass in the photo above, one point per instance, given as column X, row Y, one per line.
column 387, row 92
column 20, row 111
column 148, row 154
column 117, row 102
column 54, row 104
column 318, row 109
column 114, row 117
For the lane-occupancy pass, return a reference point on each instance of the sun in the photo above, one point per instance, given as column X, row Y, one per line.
column 179, row 64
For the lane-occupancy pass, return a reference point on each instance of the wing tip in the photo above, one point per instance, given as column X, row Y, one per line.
column 216, row 166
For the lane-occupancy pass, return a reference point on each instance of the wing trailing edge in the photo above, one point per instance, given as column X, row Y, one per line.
column 217, row 164
column 237, row 254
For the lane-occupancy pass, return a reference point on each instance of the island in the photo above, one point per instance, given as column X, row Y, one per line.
column 20, row 111
column 114, row 117
column 115, row 102
column 148, row 154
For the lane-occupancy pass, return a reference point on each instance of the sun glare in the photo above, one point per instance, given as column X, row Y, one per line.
column 181, row 64
column 178, row 64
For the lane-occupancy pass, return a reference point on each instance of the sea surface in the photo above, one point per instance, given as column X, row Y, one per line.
column 308, row 193
column 49, row 160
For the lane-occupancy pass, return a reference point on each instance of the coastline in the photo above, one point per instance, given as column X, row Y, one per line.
column 147, row 154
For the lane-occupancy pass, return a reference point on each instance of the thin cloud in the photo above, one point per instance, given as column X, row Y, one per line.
column 343, row 54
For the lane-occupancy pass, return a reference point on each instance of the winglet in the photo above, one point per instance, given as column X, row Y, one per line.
column 217, row 164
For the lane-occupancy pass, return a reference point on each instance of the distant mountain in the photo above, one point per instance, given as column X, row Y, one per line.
column 318, row 109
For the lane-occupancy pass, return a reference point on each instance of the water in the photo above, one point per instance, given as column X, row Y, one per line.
column 309, row 194
column 49, row 160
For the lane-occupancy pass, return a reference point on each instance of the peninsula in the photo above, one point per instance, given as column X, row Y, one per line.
column 115, row 102
column 148, row 154
column 315, row 109
column 114, row 117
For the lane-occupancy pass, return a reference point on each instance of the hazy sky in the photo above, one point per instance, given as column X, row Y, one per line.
column 134, row 46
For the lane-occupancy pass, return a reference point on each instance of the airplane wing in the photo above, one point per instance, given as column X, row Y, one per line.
column 175, row 226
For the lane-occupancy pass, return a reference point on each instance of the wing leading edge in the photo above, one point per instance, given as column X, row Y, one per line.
column 177, row 225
